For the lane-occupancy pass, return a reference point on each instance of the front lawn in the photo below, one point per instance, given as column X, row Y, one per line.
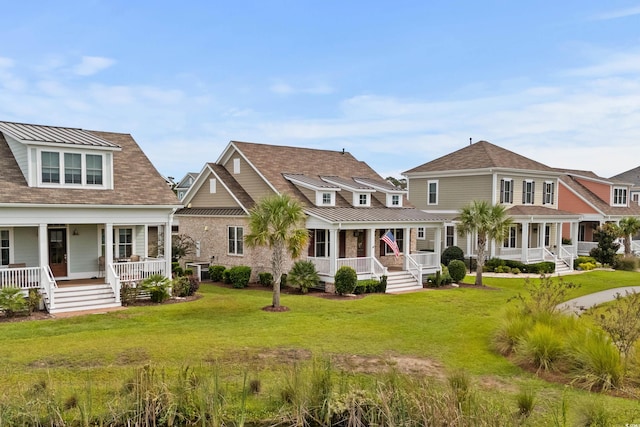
column 436, row 331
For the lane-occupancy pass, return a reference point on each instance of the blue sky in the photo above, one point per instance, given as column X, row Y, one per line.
column 395, row 83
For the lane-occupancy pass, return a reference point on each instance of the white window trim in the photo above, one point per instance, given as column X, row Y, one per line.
column 212, row 186
column 429, row 182
column 11, row 246
column 356, row 200
column 552, row 193
column 116, row 240
column 421, row 234
column 235, row 227
column 390, row 200
column 513, row 229
column 320, row 198
column 61, row 173
column 510, row 192
column 613, row 196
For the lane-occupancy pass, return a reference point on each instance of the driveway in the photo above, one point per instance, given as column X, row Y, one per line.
column 578, row 305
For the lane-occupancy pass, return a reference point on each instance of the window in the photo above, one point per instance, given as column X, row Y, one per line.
column 319, row 246
column 326, row 199
column 620, row 196
column 528, row 192
column 72, row 168
column 4, row 247
column 547, row 235
column 94, row 169
column 506, row 190
column 548, row 197
column 581, row 232
column 395, row 200
column 363, row 200
column 634, row 197
column 125, row 242
column 432, row 192
column 212, row 186
column 510, row 240
column 398, row 235
column 236, row 166
column 450, row 235
column 236, row 244
column 50, row 167
column 421, row 233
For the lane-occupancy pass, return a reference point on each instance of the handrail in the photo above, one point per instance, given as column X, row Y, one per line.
column 113, row 280
column 547, row 254
column 377, row 269
column 414, row 269
column 566, row 255
column 47, row 285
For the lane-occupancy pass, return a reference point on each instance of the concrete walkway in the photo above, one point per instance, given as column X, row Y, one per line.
column 578, row 305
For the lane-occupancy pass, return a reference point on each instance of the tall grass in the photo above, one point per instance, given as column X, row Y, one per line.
column 542, row 346
column 595, row 361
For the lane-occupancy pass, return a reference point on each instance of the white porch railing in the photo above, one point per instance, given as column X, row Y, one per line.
column 572, row 249
column 138, row 270
column 585, row 247
column 114, row 281
column 566, row 257
column 379, row 270
column 361, row 265
column 414, row 269
column 323, row 265
column 547, row 255
column 48, row 286
column 635, row 247
column 20, row 277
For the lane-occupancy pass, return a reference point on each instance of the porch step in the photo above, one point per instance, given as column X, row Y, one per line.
column 562, row 268
column 83, row 297
column 401, row 281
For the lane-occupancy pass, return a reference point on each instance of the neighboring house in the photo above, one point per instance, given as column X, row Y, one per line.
column 598, row 200
column 348, row 206
column 184, row 184
column 75, row 205
column 528, row 189
column 631, row 176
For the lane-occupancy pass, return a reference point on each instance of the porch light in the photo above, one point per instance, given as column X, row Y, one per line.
column 76, row 232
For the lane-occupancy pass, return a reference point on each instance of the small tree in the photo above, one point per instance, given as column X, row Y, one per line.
column 278, row 223
column 346, row 280
column 628, row 227
column 488, row 223
column 181, row 246
column 621, row 321
column 607, row 248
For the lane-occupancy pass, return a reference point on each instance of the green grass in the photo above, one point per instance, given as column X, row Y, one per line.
column 451, row 327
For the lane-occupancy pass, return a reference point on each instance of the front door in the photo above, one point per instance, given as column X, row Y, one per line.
column 58, row 251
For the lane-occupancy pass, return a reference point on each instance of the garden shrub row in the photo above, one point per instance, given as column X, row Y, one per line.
column 237, row 276
column 498, row 265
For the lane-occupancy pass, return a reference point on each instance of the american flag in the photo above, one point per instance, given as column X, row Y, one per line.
column 391, row 242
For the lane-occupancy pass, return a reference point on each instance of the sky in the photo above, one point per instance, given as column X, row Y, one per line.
column 397, row 84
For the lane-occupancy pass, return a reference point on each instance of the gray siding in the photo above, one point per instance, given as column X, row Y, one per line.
column 83, row 249
column 26, row 246
column 20, row 152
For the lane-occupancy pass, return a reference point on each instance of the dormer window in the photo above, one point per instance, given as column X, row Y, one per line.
column 395, row 200
column 363, row 200
column 619, row 196
column 79, row 169
column 327, row 199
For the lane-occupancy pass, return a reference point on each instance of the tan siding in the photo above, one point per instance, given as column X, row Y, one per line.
column 517, row 189
column 453, row 192
column 205, row 199
column 309, row 194
column 252, row 183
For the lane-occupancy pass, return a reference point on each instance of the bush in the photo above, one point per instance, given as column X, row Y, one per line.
column 583, row 260
column 541, row 347
column 511, row 331
column 596, row 361
column 128, row 294
column 239, row 276
column 158, row 287
column 226, row 276
column 441, row 278
column 382, row 287
column 188, row 271
column 216, row 272
column 544, row 267
column 502, row 269
column 515, row 270
column 451, row 253
column 368, row 286
column 493, row 263
column 457, row 270
column 283, row 280
column 511, row 263
column 303, row 275
column 184, row 286
column 265, row 279
column 586, row 266
column 346, row 280
column 33, row 300
column 178, row 271
column 625, row 263
column 12, row 301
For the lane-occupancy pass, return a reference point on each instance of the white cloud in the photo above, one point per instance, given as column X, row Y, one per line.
column 91, row 65
column 6, row 62
column 315, row 88
column 615, row 14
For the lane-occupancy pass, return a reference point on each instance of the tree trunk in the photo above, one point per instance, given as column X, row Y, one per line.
column 480, row 261
column 276, row 266
column 627, row 245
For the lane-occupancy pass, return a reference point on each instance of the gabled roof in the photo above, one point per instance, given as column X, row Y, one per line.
column 28, row 133
column 631, row 176
column 136, row 181
column 596, row 202
column 183, row 183
column 480, row 155
column 234, row 187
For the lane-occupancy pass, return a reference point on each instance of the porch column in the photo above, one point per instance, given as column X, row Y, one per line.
column 573, row 234
column 525, row 242
column 558, row 237
column 406, row 249
column 542, row 234
column 108, row 245
column 333, row 255
column 43, row 246
column 437, row 248
column 167, row 247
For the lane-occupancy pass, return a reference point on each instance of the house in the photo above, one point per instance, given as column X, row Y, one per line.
column 77, row 205
column 598, row 200
column 528, row 189
column 184, row 184
column 631, row 176
column 348, row 205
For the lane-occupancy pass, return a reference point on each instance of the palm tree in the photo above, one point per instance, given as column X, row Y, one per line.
column 489, row 223
column 628, row 226
column 277, row 222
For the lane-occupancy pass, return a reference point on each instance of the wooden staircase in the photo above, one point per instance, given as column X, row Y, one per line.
column 562, row 268
column 82, row 297
column 401, row 281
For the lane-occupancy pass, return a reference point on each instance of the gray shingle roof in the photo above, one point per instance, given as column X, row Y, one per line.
column 596, row 201
column 480, row 155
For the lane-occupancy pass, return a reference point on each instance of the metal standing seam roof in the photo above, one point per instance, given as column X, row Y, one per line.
column 53, row 134
column 346, row 182
column 338, row 214
column 211, row 212
column 309, row 180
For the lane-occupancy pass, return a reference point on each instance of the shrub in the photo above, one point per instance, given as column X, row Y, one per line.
column 12, row 301
column 216, row 272
column 382, row 287
column 586, row 266
column 128, row 294
column 174, row 265
column 368, row 286
column 345, row 280
column 303, row 275
column 226, row 276
column 265, row 279
column 595, row 361
column 188, row 271
column 178, row 271
column 544, row 267
column 511, row 263
column 239, row 276
column 511, row 331
column 515, row 270
column 625, row 263
column 541, row 347
column 451, row 253
column 184, row 286
column 33, row 300
column 583, row 260
column 283, row 280
column 457, row 270
column 502, row 269
column 158, row 287
column 492, row 263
